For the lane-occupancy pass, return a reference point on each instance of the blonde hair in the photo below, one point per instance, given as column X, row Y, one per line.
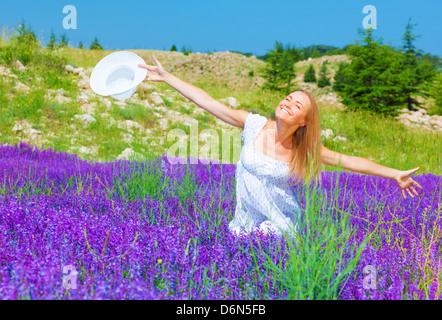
column 306, row 147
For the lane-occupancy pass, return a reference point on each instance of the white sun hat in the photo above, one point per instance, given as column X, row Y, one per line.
column 118, row 75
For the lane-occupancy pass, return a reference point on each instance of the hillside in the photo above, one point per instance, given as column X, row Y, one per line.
column 103, row 129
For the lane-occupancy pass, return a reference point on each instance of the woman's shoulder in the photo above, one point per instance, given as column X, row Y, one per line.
column 254, row 119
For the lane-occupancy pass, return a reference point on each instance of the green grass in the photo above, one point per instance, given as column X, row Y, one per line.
column 376, row 137
column 384, row 140
column 317, row 263
column 28, row 106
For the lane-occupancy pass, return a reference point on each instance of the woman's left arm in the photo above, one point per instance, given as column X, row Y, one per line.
column 366, row 166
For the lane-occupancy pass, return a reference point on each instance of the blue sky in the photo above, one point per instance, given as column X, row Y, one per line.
column 235, row 25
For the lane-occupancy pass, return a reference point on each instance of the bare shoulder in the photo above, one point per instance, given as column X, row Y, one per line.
column 241, row 117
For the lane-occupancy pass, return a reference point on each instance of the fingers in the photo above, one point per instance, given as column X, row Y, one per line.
column 417, row 184
column 410, row 172
column 409, row 192
column 156, row 61
column 414, row 190
column 413, row 170
column 145, row 66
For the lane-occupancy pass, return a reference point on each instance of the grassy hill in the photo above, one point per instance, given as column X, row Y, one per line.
column 47, row 100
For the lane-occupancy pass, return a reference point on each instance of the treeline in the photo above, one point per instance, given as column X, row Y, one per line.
column 314, row 51
column 26, row 32
column 64, row 42
column 185, row 50
column 379, row 78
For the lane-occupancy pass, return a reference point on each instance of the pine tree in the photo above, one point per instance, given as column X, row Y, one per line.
column 173, row 48
column 323, row 79
column 436, row 94
column 270, row 71
column 340, row 78
column 51, row 45
column 280, row 68
column 26, row 35
column 96, row 45
column 63, row 41
column 186, row 51
column 372, row 79
column 80, row 45
column 416, row 74
column 287, row 70
column 23, row 44
column 310, row 74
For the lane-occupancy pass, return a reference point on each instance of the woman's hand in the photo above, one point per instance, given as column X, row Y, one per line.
column 406, row 183
column 154, row 73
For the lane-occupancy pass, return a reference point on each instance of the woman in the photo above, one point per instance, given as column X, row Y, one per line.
column 275, row 151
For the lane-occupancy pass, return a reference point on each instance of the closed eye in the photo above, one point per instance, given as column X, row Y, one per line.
column 296, row 105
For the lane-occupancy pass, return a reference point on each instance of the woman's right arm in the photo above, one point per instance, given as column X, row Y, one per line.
column 197, row 95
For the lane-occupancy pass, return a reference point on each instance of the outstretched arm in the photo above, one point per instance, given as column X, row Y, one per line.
column 366, row 166
column 197, row 95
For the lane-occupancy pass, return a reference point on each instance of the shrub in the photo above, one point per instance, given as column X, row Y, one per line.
column 323, row 79
column 96, row 45
column 309, row 75
column 436, row 93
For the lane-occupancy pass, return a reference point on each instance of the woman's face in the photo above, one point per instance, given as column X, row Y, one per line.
column 293, row 109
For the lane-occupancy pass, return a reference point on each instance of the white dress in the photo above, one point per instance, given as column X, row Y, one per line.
column 264, row 199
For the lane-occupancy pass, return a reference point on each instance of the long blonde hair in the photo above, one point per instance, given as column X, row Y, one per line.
column 306, row 147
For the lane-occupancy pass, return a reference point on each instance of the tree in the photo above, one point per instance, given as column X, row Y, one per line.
column 416, row 74
column 22, row 45
column 173, row 48
column 436, row 94
column 25, row 35
column 247, row 54
column 270, row 71
column 287, row 70
column 372, row 80
column 80, row 45
column 51, row 45
column 340, row 78
column 435, row 61
column 310, row 74
column 186, row 51
column 280, row 68
column 323, row 79
column 96, row 45
column 316, row 51
column 63, row 41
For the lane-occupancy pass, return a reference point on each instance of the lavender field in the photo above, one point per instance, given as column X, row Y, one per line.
column 153, row 230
